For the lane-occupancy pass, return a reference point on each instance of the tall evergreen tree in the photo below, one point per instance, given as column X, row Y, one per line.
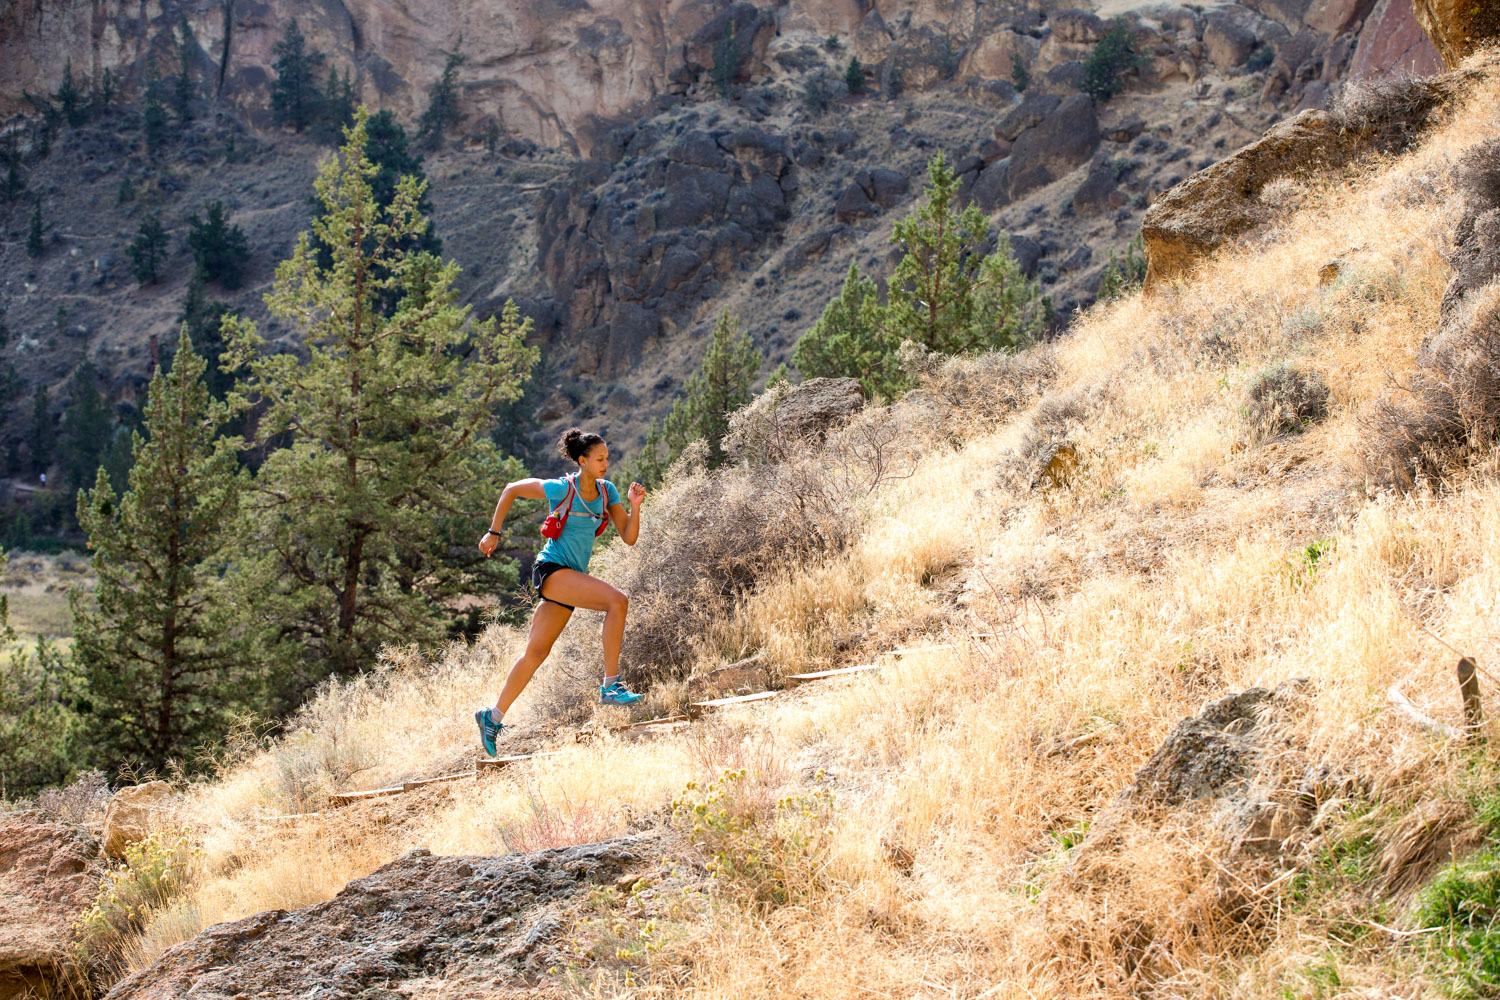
column 14, row 184
column 294, row 93
column 854, row 76
column 85, row 429
column 69, row 97
column 161, row 655
column 41, row 438
column 359, row 528
column 719, row 388
column 850, row 340
column 442, row 103
column 220, row 250
column 148, row 251
column 338, row 107
column 104, row 94
column 931, row 298
column 204, row 317
column 35, row 232
column 154, row 117
column 182, row 92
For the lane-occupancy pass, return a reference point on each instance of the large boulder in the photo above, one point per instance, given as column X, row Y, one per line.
column 1222, row 202
column 44, row 885
column 401, row 929
column 133, row 815
column 1065, row 139
column 1334, row 17
column 1458, row 27
column 788, row 416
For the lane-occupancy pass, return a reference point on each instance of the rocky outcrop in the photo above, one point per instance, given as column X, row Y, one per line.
column 630, row 248
column 787, row 416
column 44, row 885
column 1458, row 27
column 1222, row 203
column 133, row 814
column 408, row 924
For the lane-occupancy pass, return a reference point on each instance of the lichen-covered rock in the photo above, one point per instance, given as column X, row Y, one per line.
column 132, row 815
column 44, row 885
column 411, row 921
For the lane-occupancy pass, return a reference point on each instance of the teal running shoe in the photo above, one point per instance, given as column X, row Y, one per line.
column 488, row 730
column 618, row 694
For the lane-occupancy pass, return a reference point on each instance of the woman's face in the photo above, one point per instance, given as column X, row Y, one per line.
column 595, row 461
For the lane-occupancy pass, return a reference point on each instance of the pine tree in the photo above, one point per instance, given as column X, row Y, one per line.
column 1010, row 310
column 154, row 118
column 338, row 107
column 1019, row 74
column 204, row 318
column 294, row 94
column 220, row 250
column 359, row 528
column 104, row 96
column 69, row 97
column 85, row 430
column 1124, row 274
column 854, row 76
column 1114, row 55
column 42, row 436
column 932, row 290
column 35, row 245
column 14, row 185
column 442, row 103
column 162, row 655
column 849, row 340
column 719, row 388
column 182, row 93
column 727, row 61
column 148, row 252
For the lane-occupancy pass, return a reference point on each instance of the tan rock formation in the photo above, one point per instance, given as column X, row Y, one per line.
column 1222, row 203
column 132, row 815
column 44, row 886
column 1458, row 27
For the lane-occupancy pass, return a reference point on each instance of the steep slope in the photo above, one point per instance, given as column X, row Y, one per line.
column 1178, row 578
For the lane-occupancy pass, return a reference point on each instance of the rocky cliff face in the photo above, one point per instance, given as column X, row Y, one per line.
column 635, row 198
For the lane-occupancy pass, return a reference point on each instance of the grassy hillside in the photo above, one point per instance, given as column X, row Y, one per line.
column 1133, row 531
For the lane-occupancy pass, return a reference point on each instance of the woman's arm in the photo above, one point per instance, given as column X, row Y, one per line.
column 629, row 525
column 529, row 489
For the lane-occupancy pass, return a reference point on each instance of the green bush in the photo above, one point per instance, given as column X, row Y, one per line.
column 1114, row 55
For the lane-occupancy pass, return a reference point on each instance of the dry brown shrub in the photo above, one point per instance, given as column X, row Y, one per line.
column 1286, row 397
column 1395, row 111
column 1448, row 415
column 979, row 392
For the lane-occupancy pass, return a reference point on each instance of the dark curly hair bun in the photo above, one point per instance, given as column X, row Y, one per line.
column 575, row 443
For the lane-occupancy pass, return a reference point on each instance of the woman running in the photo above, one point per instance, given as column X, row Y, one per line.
column 560, row 574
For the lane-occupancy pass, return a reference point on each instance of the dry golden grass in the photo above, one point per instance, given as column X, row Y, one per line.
column 978, row 847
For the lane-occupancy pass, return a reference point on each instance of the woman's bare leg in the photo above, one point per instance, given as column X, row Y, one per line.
column 583, row 591
column 546, row 625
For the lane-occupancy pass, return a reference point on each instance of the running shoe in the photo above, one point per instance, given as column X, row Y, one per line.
column 618, row 694
column 488, row 730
